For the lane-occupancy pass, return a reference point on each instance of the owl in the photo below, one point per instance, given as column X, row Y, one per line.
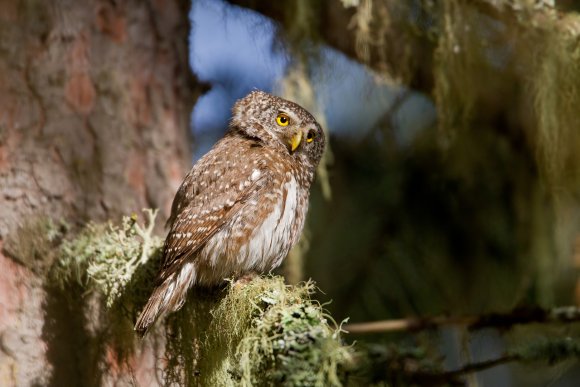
column 242, row 206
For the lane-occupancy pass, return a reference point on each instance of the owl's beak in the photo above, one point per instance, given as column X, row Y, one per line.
column 295, row 140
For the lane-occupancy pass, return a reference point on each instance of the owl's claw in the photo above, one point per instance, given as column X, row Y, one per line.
column 245, row 279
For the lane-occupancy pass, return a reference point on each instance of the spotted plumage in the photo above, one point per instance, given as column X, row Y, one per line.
column 242, row 206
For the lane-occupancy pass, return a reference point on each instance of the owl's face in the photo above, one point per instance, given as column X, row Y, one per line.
column 280, row 123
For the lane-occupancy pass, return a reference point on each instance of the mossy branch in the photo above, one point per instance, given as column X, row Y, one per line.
column 260, row 333
column 403, row 366
column 277, row 335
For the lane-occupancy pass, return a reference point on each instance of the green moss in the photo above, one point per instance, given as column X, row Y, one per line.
column 260, row 333
column 185, row 331
column 105, row 257
column 268, row 333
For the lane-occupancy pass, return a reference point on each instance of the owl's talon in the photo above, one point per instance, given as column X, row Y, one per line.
column 244, row 280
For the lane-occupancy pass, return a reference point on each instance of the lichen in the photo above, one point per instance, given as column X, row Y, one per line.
column 556, row 89
column 104, row 257
column 268, row 333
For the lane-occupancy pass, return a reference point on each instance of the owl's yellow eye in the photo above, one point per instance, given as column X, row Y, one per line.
column 282, row 119
column 310, row 136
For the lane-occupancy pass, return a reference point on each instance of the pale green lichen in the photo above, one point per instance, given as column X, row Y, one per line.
column 268, row 333
column 105, row 257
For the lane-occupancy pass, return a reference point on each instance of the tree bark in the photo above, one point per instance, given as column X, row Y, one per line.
column 95, row 100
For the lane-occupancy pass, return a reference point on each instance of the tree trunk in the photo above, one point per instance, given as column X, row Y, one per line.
column 95, row 98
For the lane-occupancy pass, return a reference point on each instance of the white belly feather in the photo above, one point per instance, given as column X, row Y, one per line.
column 271, row 242
column 267, row 246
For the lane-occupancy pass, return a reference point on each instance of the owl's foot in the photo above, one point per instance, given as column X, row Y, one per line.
column 245, row 279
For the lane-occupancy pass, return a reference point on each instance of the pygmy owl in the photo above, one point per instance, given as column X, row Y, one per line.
column 242, row 206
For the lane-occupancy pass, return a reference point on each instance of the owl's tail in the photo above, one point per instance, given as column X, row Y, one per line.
column 166, row 298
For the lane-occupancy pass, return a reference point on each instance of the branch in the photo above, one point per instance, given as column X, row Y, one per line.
column 491, row 320
column 388, row 363
column 446, row 378
column 480, row 366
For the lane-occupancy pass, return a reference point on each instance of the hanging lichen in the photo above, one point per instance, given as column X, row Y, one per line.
column 556, row 88
column 517, row 61
column 105, row 257
column 269, row 333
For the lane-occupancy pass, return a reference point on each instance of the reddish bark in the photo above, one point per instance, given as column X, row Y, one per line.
column 95, row 99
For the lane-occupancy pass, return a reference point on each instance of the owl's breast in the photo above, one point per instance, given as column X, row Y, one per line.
column 271, row 241
column 260, row 236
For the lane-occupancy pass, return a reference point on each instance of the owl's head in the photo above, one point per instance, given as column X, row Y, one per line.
column 280, row 123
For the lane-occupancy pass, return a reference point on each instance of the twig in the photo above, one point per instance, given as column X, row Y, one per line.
column 490, row 320
column 480, row 366
column 446, row 378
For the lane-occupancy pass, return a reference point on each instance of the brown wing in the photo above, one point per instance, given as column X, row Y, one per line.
column 216, row 189
column 205, row 174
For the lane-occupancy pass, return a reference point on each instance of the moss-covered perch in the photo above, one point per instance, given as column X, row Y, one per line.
column 260, row 333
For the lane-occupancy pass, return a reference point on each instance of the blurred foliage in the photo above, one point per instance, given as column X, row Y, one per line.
column 478, row 213
column 481, row 213
column 414, row 366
